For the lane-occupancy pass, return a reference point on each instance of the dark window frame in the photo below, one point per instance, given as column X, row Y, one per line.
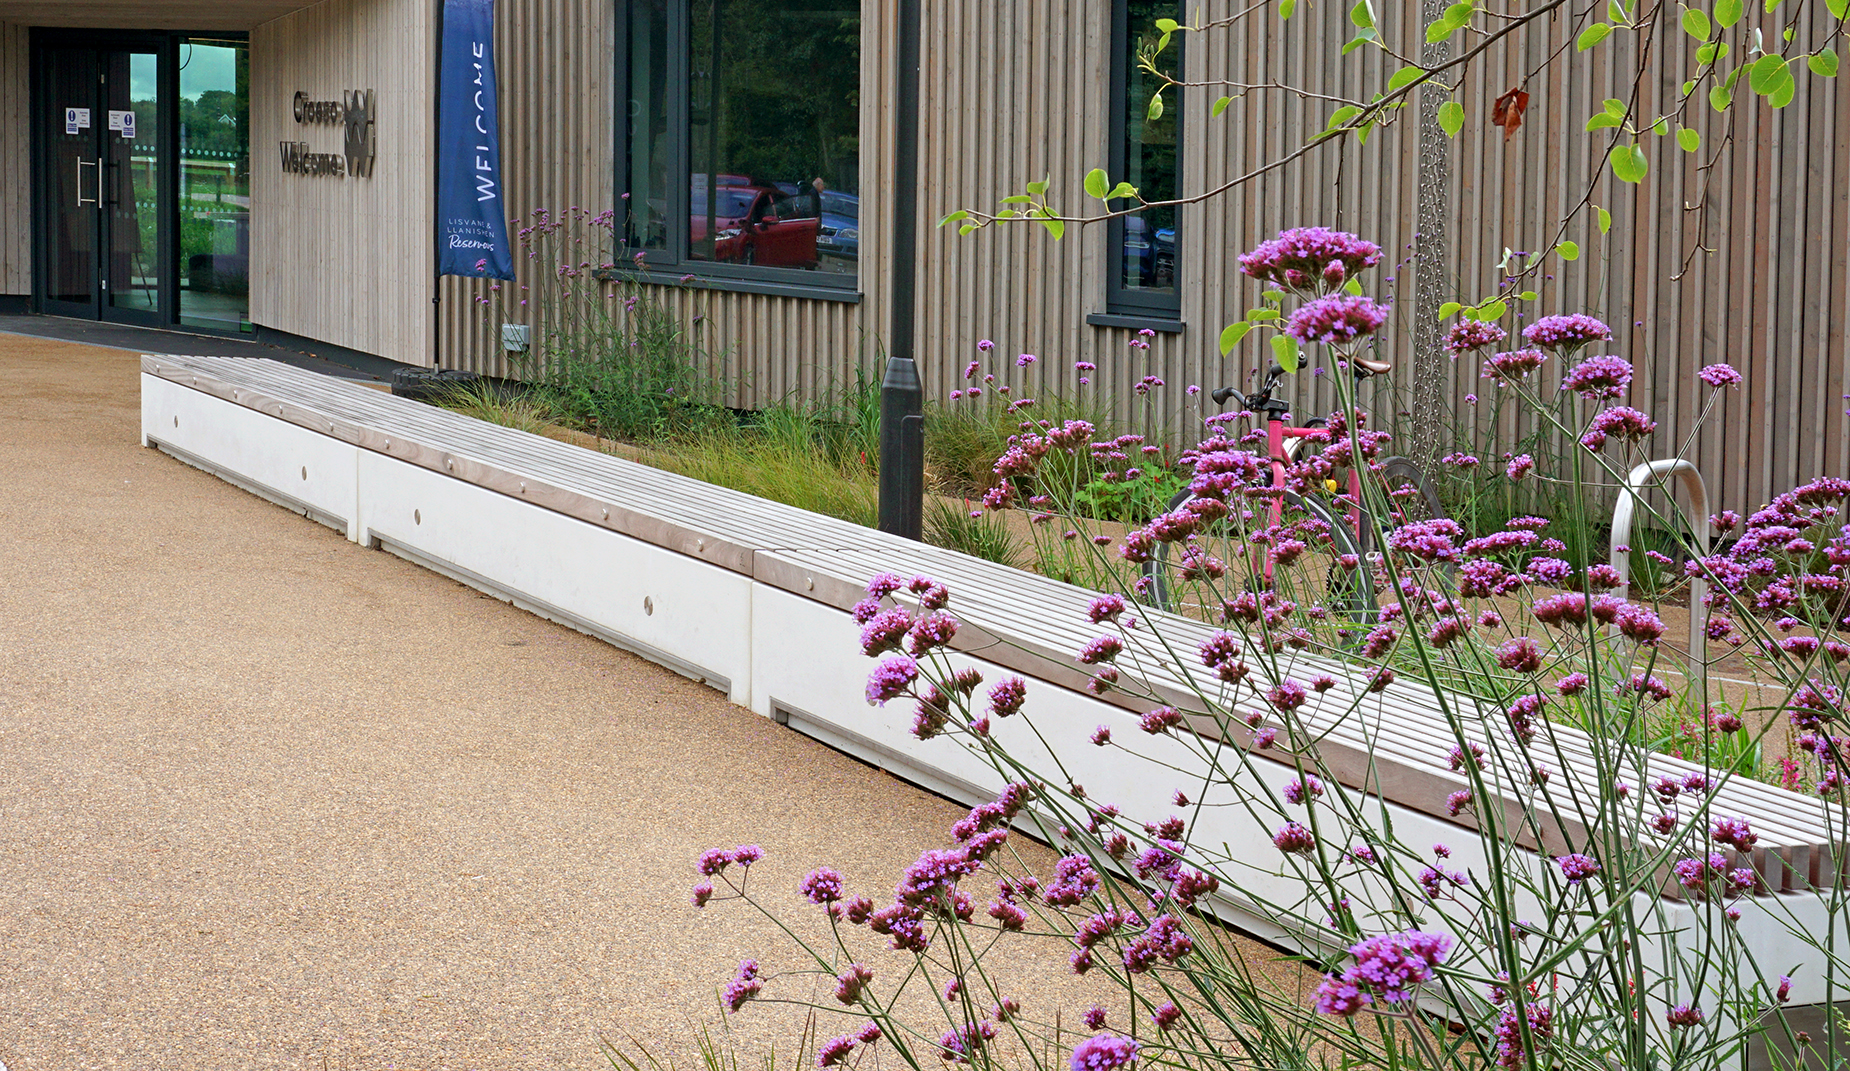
column 674, row 261
column 1122, row 301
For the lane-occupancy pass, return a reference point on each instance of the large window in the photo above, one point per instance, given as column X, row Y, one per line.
column 1144, row 153
column 742, row 155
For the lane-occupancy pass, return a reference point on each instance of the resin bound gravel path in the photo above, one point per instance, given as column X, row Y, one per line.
column 274, row 800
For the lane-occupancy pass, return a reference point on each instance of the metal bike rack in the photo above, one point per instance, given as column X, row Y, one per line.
column 1696, row 514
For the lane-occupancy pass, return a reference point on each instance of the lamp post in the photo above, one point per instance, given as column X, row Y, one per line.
column 902, row 420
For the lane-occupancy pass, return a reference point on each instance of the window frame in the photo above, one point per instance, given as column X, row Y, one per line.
column 671, row 263
column 1123, row 302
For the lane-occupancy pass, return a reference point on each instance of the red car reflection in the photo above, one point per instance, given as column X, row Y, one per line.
column 757, row 225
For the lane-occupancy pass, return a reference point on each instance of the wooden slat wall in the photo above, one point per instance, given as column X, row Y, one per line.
column 346, row 260
column 15, row 153
column 1016, row 90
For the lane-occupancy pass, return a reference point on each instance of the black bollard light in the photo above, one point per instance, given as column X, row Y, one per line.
column 902, row 450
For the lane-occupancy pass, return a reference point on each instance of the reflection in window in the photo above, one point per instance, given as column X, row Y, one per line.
column 1144, row 276
column 214, row 187
column 768, row 141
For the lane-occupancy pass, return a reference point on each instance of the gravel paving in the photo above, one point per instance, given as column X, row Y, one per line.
column 275, row 800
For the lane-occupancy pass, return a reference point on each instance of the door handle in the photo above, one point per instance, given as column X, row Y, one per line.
column 81, row 164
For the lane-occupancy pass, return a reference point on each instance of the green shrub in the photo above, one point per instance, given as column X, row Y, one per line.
column 982, row 536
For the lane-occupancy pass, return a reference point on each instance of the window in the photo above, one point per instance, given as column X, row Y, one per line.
column 1142, row 279
column 742, row 155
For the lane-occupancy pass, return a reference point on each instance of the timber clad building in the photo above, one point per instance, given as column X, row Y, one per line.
column 265, row 167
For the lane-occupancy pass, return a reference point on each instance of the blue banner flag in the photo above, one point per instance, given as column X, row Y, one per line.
column 471, row 218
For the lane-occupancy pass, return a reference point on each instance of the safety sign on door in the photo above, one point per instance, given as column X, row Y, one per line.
column 122, row 122
column 76, row 119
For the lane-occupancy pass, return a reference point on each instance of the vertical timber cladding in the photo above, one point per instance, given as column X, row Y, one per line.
column 558, row 150
column 343, row 257
column 15, row 149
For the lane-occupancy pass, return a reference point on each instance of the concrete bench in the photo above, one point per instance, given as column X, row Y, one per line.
column 753, row 597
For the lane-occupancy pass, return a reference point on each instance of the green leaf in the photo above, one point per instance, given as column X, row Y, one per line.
column 1451, row 118
column 1720, row 98
column 1285, row 349
column 1220, row 105
column 1353, row 288
column 1406, row 76
column 1527, row 295
column 1262, row 315
column 1342, row 116
column 1450, row 308
column 1689, row 139
column 1493, row 311
column 953, row 217
column 1168, row 25
column 1122, row 189
column 1772, row 6
column 1592, row 35
column 1038, row 189
column 1008, row 213
column 1705, row 55
column 1696, row 24
column 1603, row 120
column 1568, row 250
column 1362, row 132
column 1837, row 8
column 966, row 229
column 1615, row 106
column 1823, row 63
column 1615, row 10
column 1156, row 107
column 1362, row 38
column 1362, row 15
column 1727, row 12
column 1766, row 73
column 1661, row 127
column 1461, row 12
column 1440, row 30
column 1782, row 96
column 1605, row 225
column 1286, row 7
column 1019, row 198
column 1629, row 163
column 1098, row 184
column 1231, row 335
column 1055, row 228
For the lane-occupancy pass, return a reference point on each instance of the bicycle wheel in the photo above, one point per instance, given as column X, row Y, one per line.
column 1339, row 577
column 1411, row 499
column 1159, row 587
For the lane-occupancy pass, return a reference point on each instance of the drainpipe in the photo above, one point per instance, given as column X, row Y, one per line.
column 902, row 419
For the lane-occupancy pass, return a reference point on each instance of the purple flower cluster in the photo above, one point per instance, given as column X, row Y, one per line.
column 744, row 986
column 822, row 886
column 1104, row 1052
column 1734, row 832
column 1719, row 375
column 1387, row 968
column 1622, row 422
column 1293, row 837
column 1336, row 320
column 1510, row 1051
column 1513, row 364
column 1566, row 333
column 1599, row 377
column 1577, row 867
column 1310, row 258
column 1468, row 335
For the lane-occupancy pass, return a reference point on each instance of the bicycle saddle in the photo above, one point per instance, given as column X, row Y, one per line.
column 1373, row 368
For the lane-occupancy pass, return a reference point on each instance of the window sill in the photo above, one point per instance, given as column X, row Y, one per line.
column 1139, row 322
column 742, row 286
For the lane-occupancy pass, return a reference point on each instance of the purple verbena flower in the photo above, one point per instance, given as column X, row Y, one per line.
column 1719, row 375
column 822, row 886
column 890, row 679
column 1599, row 377
column 1565, row 333
column 1336, row 320
column 1468, row 335
column 1103, row 1052
column 1577, row 867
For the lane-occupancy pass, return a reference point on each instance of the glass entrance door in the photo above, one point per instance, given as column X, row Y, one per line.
column 101, row 172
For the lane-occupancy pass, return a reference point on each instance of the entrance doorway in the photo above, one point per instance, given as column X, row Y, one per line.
column 102, row 247
column 142, row 175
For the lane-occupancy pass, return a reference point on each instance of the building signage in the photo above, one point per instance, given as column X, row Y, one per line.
column 354, row 113
column 471, row 217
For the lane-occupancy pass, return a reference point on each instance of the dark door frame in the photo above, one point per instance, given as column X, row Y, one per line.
column 165, row 49
column 166, row 46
